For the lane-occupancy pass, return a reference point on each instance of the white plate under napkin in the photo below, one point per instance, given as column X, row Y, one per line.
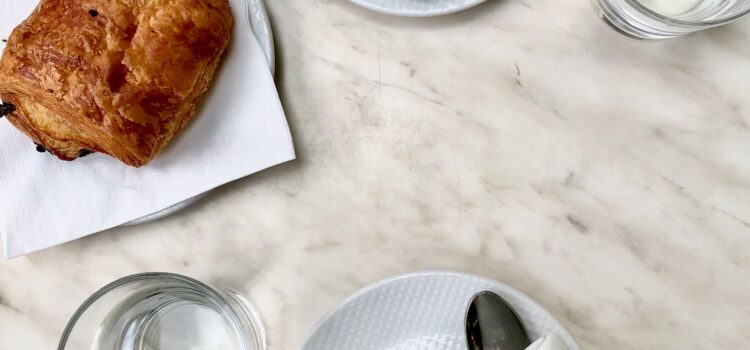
column 422, row 311
column 261, row 26
column 240, row 128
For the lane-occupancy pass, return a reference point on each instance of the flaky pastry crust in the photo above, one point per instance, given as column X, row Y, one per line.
column 121, row 77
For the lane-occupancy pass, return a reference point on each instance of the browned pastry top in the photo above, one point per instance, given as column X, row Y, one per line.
column 115, row 76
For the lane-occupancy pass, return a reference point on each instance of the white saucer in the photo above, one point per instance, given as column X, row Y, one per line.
column 258, row 17
column 417, row 8
column 421, row 311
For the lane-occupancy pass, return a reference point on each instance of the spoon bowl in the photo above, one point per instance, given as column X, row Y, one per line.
column 491, row 324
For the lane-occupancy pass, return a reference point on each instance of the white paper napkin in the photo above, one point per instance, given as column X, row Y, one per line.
column 239, row 129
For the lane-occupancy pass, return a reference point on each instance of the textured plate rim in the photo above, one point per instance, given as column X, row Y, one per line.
column 414, row 13
column 259, row 21
column 525, row 298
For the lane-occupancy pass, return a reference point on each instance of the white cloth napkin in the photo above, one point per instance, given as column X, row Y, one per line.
column 549, row 342
column 239, row 129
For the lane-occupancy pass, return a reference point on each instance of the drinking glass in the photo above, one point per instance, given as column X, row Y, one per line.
column 163, row 311
column 663, row 19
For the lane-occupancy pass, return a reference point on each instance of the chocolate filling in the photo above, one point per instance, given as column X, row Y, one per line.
column 93, row 13
column 6, row 109
column 40, row 148
column 84, row 152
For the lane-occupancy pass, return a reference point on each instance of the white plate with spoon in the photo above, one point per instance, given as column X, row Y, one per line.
column 424, row 311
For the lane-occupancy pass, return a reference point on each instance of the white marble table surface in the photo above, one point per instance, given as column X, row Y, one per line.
column 607, row 178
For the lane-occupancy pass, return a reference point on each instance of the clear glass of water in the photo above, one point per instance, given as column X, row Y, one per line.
column 162, row 311
column 664, row 19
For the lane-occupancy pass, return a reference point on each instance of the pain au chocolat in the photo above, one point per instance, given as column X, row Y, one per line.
column 120, row 77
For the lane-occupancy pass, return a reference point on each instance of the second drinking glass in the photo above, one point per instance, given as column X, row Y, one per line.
column 664, row 19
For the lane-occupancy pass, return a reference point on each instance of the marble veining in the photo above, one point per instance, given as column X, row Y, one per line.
column 607, row 178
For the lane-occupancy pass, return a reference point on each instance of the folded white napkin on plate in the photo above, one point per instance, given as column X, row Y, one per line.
column 239, row 129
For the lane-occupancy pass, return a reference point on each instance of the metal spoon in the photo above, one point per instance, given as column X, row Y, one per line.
column 491, row 324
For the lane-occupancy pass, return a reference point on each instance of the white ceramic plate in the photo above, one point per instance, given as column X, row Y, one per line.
column 421, row 311
column 258, row 17
column 417, row 8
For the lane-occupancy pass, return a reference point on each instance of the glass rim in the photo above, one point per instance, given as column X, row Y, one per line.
column 663, row 18
column 163, row 276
